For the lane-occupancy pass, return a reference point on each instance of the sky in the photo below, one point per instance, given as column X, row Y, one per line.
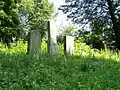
column 61, row 18
column 57, row 2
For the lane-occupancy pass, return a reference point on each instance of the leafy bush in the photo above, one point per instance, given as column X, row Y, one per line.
column 81, row 48
column 96, row 41
column 60, row 39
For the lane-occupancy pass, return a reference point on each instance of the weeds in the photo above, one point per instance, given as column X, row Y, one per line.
column 93, row 70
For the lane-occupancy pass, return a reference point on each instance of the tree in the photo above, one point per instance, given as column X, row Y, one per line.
column 103, row 16
column 35, row 14
column 9, row 20
column 65, row 31
column 68, row 30
column 18, row 17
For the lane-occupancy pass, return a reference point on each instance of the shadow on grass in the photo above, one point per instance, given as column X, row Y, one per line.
column 58, row 72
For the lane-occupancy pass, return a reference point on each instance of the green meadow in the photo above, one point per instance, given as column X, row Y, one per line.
column 87, row 69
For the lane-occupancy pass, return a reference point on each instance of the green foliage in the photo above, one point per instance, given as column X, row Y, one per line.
column 69, row 30
column 102, row 16
column 90, row 70
column 60, row 39
column 66, row 31
column 104, row 30
column 93, row 40
column 9, row 20
column 36, row 13
column 18, row 17
column 81, row 48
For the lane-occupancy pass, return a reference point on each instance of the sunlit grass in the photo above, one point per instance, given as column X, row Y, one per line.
column 87, row 69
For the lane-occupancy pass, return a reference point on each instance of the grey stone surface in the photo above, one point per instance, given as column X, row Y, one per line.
column 34, row 42
column 68, row 45
column 52, row 42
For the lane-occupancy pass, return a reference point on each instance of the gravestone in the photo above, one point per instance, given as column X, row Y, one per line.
column 34, row 42
column 52, row 42
column 68, row 45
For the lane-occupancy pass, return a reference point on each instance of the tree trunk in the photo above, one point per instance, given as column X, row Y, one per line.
column 115, row 23
column 118, row 36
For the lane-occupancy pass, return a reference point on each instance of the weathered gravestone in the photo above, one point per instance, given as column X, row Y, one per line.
column 52, row 42
column 34, row 42
column 68, row 45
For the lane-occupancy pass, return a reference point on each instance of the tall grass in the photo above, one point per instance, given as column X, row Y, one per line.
column 87, row 69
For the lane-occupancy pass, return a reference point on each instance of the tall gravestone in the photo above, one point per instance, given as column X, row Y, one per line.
column 68, row 45
column 52, row 42
column 34, row 42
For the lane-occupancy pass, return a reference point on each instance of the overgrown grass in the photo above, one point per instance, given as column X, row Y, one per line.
column 87, row 69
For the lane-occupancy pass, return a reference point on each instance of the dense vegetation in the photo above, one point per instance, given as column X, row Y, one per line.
column 9, row 20
column 88, row 69
column 18, row 17
column 103, row 17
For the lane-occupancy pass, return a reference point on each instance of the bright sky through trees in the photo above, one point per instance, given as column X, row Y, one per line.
column 61, row 18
